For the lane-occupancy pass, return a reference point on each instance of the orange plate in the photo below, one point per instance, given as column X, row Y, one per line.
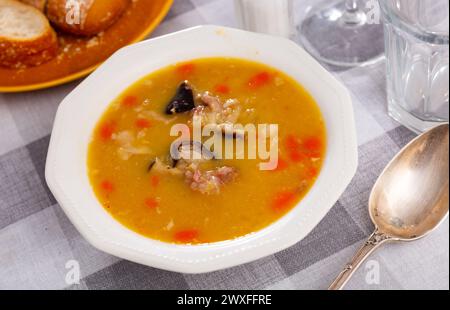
column 80, row 56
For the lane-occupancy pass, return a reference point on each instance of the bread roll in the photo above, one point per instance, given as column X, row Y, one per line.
column 85, row 17
column 26, row 37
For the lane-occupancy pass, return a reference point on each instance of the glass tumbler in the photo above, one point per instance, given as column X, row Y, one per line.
column 272, row 17
column 417, row 56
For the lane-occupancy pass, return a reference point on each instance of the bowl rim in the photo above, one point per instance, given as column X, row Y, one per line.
column 194, row 258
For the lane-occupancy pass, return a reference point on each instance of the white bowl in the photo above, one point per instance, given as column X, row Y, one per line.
column 66, row 168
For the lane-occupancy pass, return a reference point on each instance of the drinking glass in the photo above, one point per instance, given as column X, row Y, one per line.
column 343, row 33
column 417, row 55
column 273, row 17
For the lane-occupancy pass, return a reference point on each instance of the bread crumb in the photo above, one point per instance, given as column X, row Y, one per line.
column 94, row 41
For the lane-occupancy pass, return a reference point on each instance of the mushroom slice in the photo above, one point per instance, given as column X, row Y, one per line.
column 183, row 101
column 190, row 150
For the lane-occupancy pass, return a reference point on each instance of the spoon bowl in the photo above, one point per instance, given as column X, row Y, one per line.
column 410, row 198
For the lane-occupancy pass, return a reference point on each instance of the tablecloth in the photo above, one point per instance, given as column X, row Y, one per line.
column 38, row 243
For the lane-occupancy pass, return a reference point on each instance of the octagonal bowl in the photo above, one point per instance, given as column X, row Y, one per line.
column 66, row 167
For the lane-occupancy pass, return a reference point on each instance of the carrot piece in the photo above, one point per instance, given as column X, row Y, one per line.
column 222, row 89
column 107, row 129
column 185, row 69
column 299, row 149
column 283, row 200
column 154, row 180
column 107, row 186
column 259, row 80
column 296, row 156
column 130, row 101
column 143, row 123
column 151, row 203
column 186, row 236
column 313, row 144
column 292, row 142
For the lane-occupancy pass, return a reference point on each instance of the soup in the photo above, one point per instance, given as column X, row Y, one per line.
column 209, row 198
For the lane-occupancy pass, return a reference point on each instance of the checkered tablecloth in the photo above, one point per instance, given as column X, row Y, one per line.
column 37, row 240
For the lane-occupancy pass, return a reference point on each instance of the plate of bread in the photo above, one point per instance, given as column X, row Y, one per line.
column 44, row 43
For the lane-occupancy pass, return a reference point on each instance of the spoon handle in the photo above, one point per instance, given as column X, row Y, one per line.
column 374, row 241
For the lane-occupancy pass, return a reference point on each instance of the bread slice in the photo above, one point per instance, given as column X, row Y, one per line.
column 85, row 17
column 38, row 4
column 26, row 37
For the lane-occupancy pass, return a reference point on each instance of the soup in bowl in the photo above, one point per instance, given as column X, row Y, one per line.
column 217, row 197
column 195, row 157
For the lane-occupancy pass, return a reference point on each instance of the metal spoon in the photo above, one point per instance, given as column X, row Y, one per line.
column 410, row 198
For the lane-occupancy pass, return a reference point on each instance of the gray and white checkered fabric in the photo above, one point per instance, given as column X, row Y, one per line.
column 36, row 238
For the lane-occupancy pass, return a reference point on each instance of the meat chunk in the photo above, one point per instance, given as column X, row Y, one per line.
column 209, row 181
column 213, row 111
column 212, row 102
column 222, row 116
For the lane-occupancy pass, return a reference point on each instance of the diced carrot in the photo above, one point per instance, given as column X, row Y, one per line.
column 222, row 89
column 283, row 200
column 154, row 180
column 143, row 123
column 130, row 101
column 299, row 149
column 292, row 142
column 259, row 80
column 282, row 164
column 296, row 156
column 185, row 236
column 107, row 186
column 107, row 129
column 185, row 69
column 151, row 203
column 313, row 144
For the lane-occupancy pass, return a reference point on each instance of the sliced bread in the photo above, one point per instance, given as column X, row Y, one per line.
column 26, row 37
column 85, row 17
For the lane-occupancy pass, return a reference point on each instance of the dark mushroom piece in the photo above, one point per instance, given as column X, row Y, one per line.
column 186, row 149
column 183, row 101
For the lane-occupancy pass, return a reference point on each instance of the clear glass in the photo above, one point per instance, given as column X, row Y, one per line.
column 343, row 33
column 417, row 56
column 274, row 17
